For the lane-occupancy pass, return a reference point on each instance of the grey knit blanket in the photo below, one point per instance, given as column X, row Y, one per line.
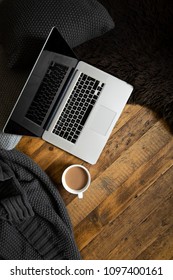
column 34, row 223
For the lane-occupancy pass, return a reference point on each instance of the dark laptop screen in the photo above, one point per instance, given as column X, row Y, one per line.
column 57, row 44
column 22, row 120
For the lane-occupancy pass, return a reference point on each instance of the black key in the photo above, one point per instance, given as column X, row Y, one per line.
column 84, row 77
column 78, row 132
column 86, row 115
column 69, row 138
column 80, row 127
column 75, row 116
column 65, row 135
column 95, row 97
column 93, row 101
column 96, row 85
column 61, row 134
column 91, row 79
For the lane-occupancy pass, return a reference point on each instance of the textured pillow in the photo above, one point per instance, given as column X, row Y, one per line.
column 25, row 24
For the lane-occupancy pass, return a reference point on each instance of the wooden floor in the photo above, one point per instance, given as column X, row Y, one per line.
column 127, row 213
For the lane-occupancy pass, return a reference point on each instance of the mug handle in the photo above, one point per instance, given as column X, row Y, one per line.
column 80, row 195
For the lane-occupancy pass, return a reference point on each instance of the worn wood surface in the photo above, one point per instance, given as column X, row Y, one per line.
column 127, row 213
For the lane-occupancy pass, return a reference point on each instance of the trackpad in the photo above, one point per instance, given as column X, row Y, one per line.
column 102, row 120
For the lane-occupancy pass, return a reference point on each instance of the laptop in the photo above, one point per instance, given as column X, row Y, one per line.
column 68, row 102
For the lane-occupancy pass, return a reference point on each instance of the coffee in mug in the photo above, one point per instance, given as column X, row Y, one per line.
column 76, row 179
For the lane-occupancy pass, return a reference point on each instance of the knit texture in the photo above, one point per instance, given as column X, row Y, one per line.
column 34, row 223
column 24, row 25
column 8, row 141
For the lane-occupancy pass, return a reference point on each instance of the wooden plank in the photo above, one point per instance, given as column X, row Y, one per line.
column 123, row 196
column 46, row 154
column 29, row 145
column 122, row 138
column 144, row 234
column 124, row 224
column 160, row 249
column 128, row 113
column 141, row 152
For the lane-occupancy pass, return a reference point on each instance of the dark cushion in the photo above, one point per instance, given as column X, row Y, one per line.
column 25, row 24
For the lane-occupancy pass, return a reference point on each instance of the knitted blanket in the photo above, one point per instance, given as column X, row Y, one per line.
column 34, row 223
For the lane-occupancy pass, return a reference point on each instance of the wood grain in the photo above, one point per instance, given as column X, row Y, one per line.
column 127, row 213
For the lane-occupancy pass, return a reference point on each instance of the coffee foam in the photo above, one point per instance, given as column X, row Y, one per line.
column 76, row 178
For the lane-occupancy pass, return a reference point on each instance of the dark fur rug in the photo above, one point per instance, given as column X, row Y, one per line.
column 139, row 50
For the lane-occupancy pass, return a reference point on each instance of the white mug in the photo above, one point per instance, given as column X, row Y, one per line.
column 79, row 192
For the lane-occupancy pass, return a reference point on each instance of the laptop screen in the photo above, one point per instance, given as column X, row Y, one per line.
column 55, row 46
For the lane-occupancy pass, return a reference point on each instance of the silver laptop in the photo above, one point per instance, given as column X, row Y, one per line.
column 68, row 102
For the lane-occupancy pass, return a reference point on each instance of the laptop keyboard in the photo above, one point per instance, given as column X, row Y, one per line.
column 78, row 108
column 46, row 92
